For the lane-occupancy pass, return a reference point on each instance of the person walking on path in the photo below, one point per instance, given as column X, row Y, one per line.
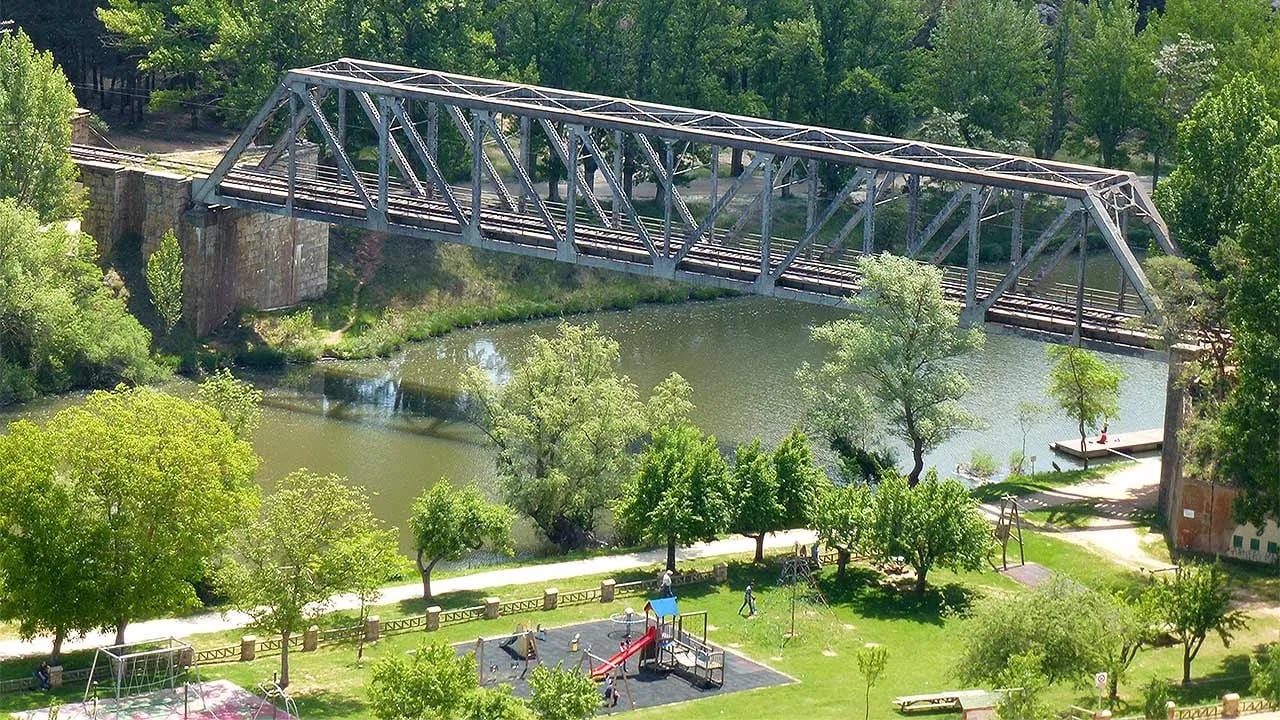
column 666, row 584
column 748, row 602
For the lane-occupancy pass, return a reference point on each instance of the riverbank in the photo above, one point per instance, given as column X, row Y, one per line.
column 385, row 292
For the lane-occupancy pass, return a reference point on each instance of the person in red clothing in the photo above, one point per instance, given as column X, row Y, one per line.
column 1102, row 439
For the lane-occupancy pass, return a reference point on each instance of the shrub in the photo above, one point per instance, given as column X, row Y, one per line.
column 983, row 464
column 1155, row 696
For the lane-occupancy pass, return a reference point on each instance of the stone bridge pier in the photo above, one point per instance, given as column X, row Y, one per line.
column 234, row 259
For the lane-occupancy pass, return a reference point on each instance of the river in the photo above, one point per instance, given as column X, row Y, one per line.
column 393, row 425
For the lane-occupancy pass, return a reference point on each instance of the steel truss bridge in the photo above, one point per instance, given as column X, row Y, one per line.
column 372, row 113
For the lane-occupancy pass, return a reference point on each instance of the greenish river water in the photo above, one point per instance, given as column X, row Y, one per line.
column 394, row 425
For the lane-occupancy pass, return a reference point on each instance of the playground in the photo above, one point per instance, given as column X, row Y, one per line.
column 655, row 656
column 210, row 700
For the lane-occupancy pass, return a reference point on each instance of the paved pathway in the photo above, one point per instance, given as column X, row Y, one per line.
column 214, row 622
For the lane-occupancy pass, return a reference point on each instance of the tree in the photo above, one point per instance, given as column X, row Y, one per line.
column 1193, row 603
column 1183, row 70
column 1190, row 307
column 681, row 492
column 1264, row 668
column 933, row 524
column 36, row 104
column 164, row 280
column 1028, row 414
column 559, row 694
column 800, row 480
column 756, row 510
column 872, row 659
column 45, row 535
column 447, row 523
column 238, row 403
column 562, row 425
column 60, row 326
column 1086, row 387
column 1248, row 432
column 1025, row 683
column 1112, row 74
column 896, row 354
column 315, row 537
column 1219, row 143
column 1064, row 44
column 842, row 518
column 988, row 62
column 435, row 683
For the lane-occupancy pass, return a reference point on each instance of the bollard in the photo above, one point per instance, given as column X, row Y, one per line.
column 550, row 597
column 722, row 573
column 606, row 590
column 1231, row 705
column 433, row 618
column 1171, row 710
column 311, row 638
column 372, row 628
column 491, row 608
column 55, row 676
column 248, row 648
column 1102, row 715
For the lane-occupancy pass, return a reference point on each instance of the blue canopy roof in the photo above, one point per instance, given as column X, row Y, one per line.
column 663, row 607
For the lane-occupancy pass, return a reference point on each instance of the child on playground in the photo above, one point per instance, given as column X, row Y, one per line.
column 610, row 693
column 748, row 601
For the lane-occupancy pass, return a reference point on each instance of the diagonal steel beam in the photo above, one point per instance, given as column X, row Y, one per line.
column 1010, row 278
column 1120, row 249
column 561, row 148
column 747, row 212
column 312, row 108
column 1055, row 260
column 526, row 182
column 870, row 197
column 699, row 232
column 666, row 180
column 938, row 221
column 423, row 151
column 959, row 232
column 273, row 103
column 464, row 128
column 622, row 202
column 816, row 226
column 393, row 147
column 277, row 149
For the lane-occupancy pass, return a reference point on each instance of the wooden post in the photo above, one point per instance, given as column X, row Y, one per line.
column 722, row 573
column 1231, row 705
column 492, row 607
column 311, row 639
column 1171, row 710
column 433, row 618
column 55, row 676
column 550, row 598
column 607, row 590
column 372, row 628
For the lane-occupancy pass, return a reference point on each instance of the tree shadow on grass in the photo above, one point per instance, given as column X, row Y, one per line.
column 871, row 594
column 328, row 704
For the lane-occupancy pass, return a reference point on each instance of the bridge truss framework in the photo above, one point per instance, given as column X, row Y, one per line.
column 404, row 112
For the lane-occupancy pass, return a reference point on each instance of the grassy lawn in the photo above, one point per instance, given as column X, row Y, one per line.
column 1039, row 482
column 921, row 635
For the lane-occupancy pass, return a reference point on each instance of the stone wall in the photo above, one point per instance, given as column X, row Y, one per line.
column 234, row 259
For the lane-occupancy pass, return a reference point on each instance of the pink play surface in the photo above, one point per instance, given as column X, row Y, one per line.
column 222, row 700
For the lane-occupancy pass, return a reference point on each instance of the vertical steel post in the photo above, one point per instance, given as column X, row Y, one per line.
column 714, row 195
column 526, row 149
column 811, row 205
column 668, row 195
column 293, row 147
column 342, row 122
column 971, row 276
column 433, row 137
column 619, row 141
column 571, row 192
column 384, row 137
column 869, row 216
column 1124, row 279
column 766, row 217
column 913, row 210
column 477, row 168
column 1015, row 236
column 1084, row 257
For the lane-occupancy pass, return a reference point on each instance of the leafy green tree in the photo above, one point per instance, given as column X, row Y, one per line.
column 60, row 327
column 897, row 353
column 162, row 482
column 681, row 492
column 448, row 522
column 1192, row 603
column 670, row 405
column 164, row 280
column 36, row 104
column 1026, row 684
column 559, row 694
column 435, row 683
column 800, row 479
column 314, row 538
column 1264, row 668
column 1112, row 73
column 562, row 425
column 1085, row 387
column 1064, row 46
column 988, row 62
column 1248, row 434
column 1184, row 68
column 1190, row 307
column 842, row 519
column 932, row 524
column 872, row 659
column 46, row 533
column 756, row 510
column 238, row 402
column 1218, row 145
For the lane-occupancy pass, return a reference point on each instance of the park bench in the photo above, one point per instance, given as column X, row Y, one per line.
column 948, row 700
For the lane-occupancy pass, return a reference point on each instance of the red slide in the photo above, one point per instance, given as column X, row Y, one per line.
column 600, row 671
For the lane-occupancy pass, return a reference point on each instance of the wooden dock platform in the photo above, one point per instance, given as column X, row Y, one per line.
column 1127, row 443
